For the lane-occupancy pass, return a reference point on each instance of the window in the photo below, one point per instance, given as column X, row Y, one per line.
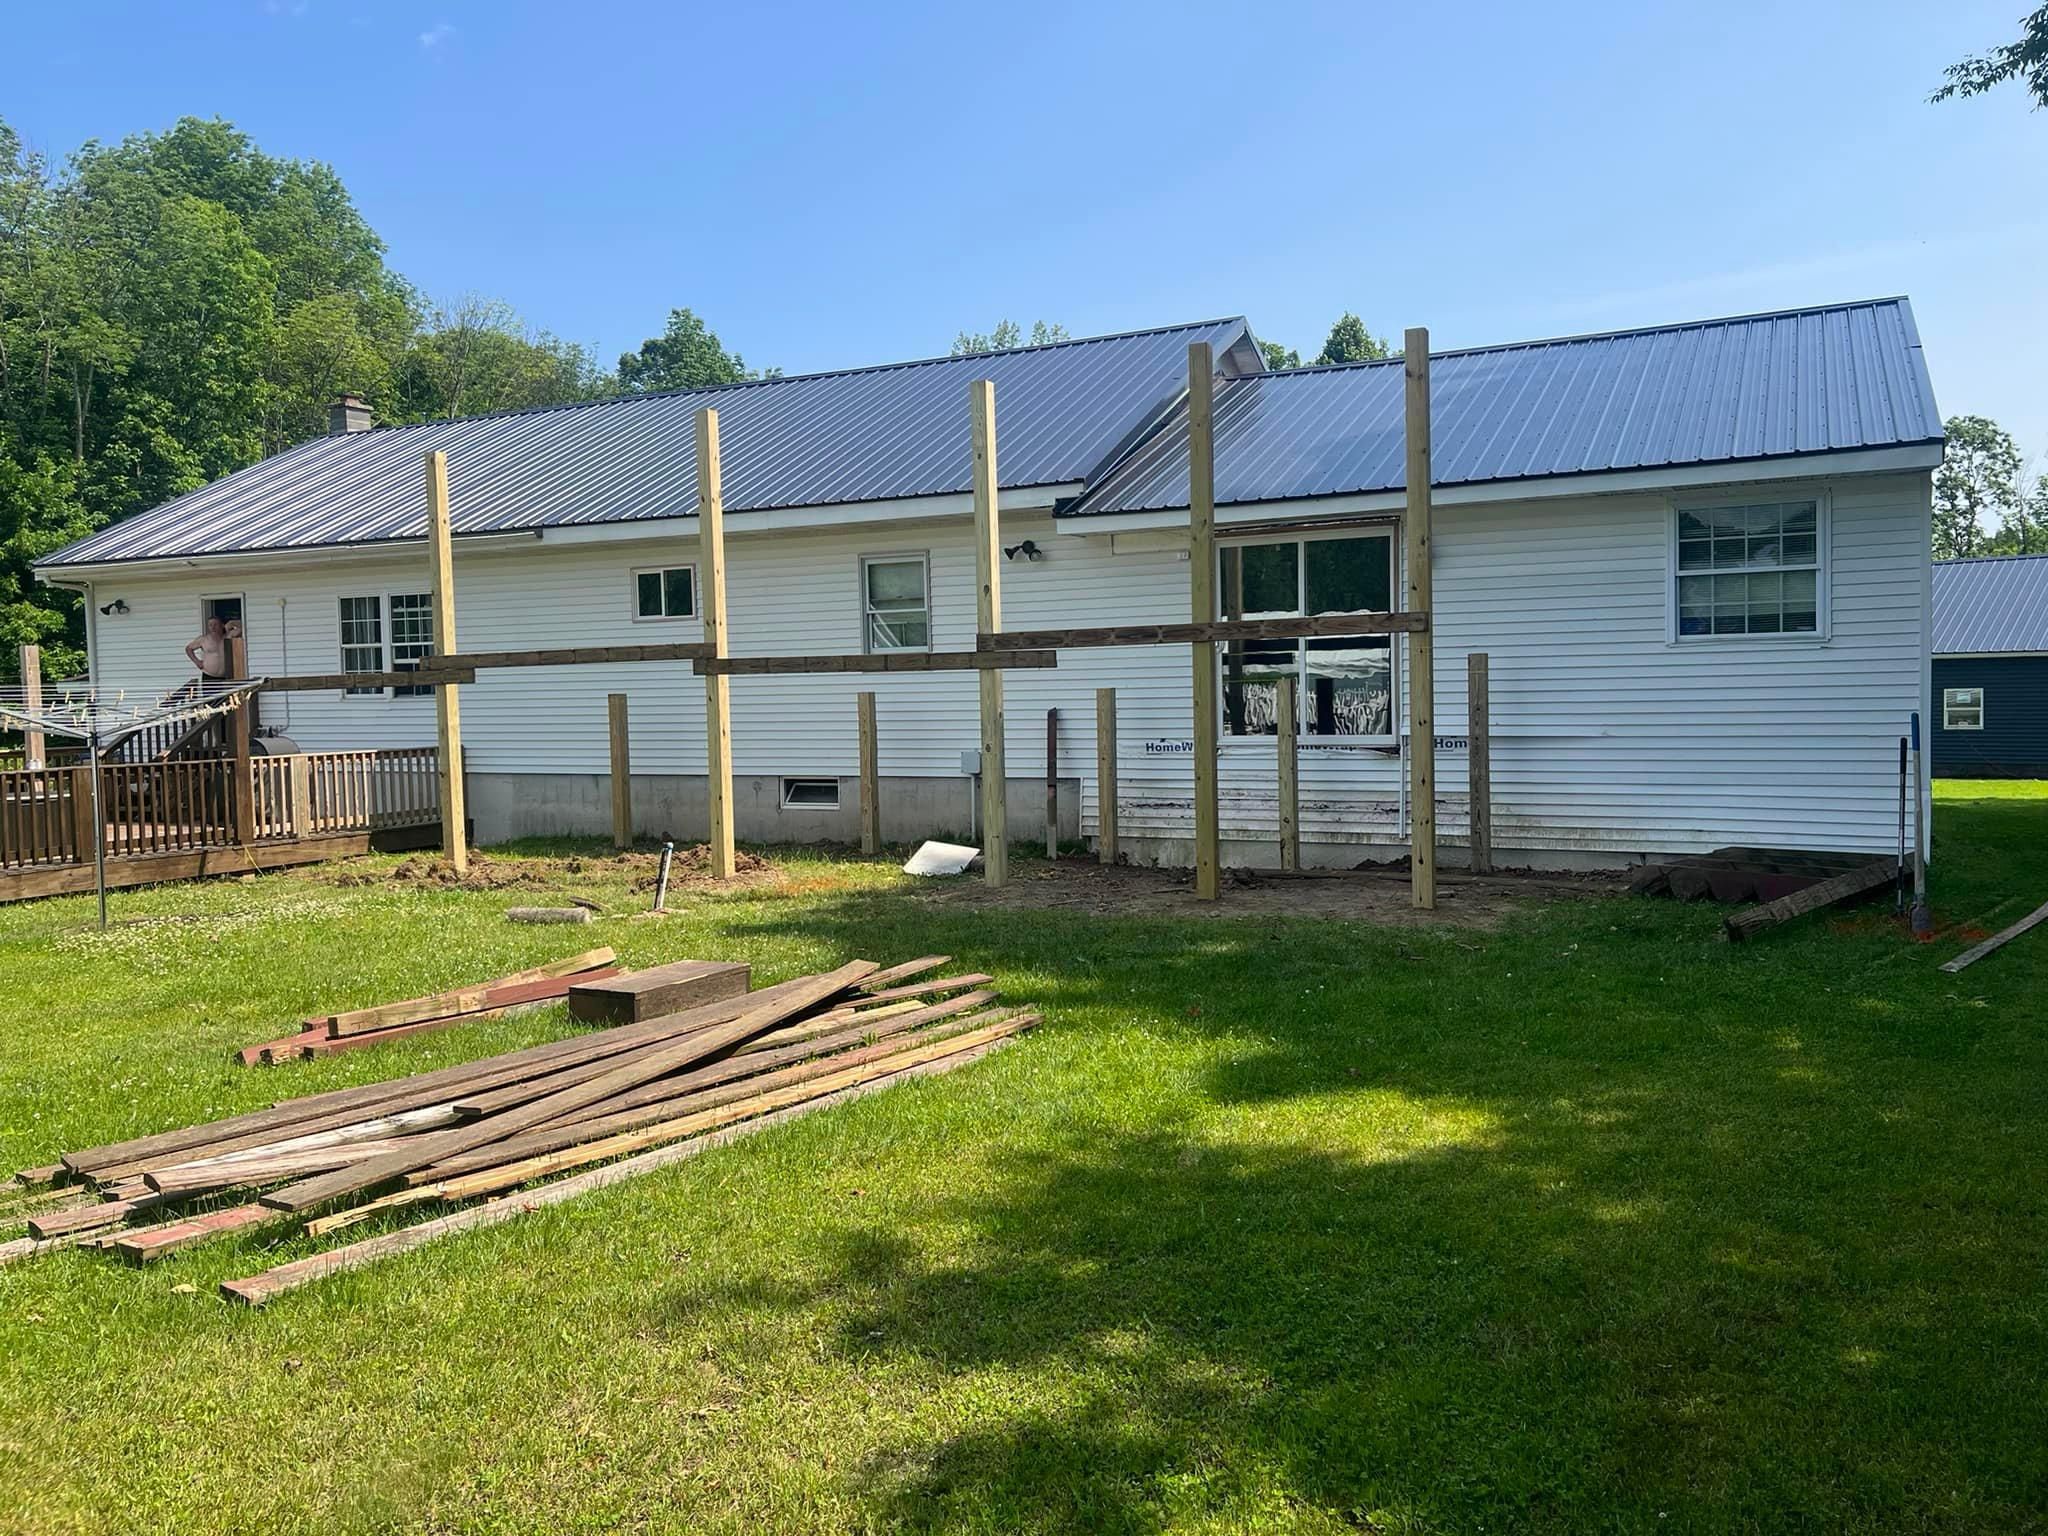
column 894, row 601
column 810, row 794
column 1962, row 709
column 1749, row 570
column 668, row 593
column 1345, row 686
column 362, row 637
column 407, row 618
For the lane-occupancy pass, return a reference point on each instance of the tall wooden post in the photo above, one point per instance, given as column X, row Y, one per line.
column 1052, row 783
column 988, row 619
column 32, row 743
column 1422, row 642
column 717, row 693
column 1289, row 744
column 1105, row 775
column 1479, row 762
column 622, row 771
column 242, row 784
column 870, row 774
column 1202, row 607
column 447, row 707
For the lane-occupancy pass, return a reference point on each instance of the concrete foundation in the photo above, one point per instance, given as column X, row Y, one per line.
column 503, row 806
column 1451, row 858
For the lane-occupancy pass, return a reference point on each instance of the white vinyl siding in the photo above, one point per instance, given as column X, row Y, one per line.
column 1611, row 734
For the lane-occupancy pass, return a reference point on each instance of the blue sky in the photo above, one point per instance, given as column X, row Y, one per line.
column 841, row 184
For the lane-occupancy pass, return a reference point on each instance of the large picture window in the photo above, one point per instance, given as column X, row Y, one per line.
column 1344, row 686
column 1749, row 570
column 895, row 603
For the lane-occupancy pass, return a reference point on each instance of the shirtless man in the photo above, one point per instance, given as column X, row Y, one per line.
column 209, row 653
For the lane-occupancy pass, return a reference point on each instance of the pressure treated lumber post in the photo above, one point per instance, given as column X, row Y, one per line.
column 32, row 743
column 242, row 784
column 622, row 771
column 447, row 707
column 1202, row 606
column 988, row 618
column 1105, row 775
column 870, row 776
column 717, row 688
column 1479, row 762
column 1289, row 745
column 299, row 772
column 1422, row 642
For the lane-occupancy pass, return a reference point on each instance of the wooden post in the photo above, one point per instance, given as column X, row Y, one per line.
column 85, row 824
column 988, row 618
column 1290, row 776
column 1421, row 643
column 301, row 777
column 1202, row 607
column 242, row 784
column 870, row 775
column 447, row 707
column 1105, row 775
column 622, row 771
column 32, row 744
column 1051, row 783
column 1479, row 762
column 717, row 689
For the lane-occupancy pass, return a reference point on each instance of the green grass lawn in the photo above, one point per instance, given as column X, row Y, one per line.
column 1595, row 1222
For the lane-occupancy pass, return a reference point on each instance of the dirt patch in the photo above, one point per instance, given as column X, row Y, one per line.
column 1374, row 894
column 499, row 872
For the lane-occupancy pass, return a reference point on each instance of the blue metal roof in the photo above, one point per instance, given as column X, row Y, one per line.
column 1712, row 392
column 1982, row 607
column 1064, row 412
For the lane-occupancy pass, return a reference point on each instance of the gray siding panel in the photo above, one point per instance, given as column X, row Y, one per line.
column 2014, row 741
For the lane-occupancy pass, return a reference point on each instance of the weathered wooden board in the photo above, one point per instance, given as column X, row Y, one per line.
column 648, row 994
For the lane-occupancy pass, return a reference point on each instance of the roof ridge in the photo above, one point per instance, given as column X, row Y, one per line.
column 1990, row 559
column 1583, row 336
column 733, row 385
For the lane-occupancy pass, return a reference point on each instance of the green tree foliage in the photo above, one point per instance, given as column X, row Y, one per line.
column 1350, row 342
column 1278, row 358
column 1979, row 479
column 2026, row 59
column 1006, row 335
column 180, row 304
column 688, row 355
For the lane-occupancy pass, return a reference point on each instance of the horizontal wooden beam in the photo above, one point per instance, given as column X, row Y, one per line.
column 567, row 656
column 888, row 661
column 1320, row 625
column 319, row 682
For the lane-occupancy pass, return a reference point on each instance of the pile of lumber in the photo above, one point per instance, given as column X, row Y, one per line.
column 615, row 1103
column 323, row 1033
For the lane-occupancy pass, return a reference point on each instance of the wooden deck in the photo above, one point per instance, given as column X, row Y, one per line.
column 182, row 818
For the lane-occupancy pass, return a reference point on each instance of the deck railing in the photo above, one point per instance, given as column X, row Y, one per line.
column 185, row 804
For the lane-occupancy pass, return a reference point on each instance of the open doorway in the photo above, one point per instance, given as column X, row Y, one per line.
column 209, row 651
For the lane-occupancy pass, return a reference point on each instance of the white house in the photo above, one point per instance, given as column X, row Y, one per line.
column 1696, row 556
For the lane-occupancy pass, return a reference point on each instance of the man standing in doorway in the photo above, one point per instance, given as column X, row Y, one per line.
column 209, row 652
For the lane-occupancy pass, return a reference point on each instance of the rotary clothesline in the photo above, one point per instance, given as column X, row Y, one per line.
column 97, row 712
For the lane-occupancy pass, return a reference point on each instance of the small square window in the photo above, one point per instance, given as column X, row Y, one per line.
column 1962, row 709
column 669, row 592
column 895, row 603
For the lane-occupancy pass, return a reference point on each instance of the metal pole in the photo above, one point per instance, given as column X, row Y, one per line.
column 99, row 827
column 668, row 852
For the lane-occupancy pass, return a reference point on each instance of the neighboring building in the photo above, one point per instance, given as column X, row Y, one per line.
column 1991, row 668
column 1695, row 554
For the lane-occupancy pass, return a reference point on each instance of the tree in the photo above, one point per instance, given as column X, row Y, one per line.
column 2026, row 59
column 1007, row 335
column 1278, row 358
column 479, row 356
column 1979, row 475
column 1350, row 342
column 688, row 355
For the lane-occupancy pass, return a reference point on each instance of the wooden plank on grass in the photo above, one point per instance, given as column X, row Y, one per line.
column 359, row 1021
column 256, row 1290
column 1844, row 887
column 146, row 1244
column 660, row 989
column 700, row 1046
column 903, row 972
column 1998, row 940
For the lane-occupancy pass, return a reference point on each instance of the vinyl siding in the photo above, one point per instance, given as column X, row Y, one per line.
column 2014, row 741
column 1608, row 735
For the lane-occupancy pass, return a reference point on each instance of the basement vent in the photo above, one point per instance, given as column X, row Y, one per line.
column 810, row 794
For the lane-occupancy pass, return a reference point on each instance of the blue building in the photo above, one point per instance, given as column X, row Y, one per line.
column 1991, row 668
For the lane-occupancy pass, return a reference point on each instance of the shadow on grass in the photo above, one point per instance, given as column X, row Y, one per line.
column 1589, row 1224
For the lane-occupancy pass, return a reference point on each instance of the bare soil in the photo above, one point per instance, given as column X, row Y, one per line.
column 1374, row 894
column 499, row 872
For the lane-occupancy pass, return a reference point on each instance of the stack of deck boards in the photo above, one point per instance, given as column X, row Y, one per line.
column 614, row 1103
